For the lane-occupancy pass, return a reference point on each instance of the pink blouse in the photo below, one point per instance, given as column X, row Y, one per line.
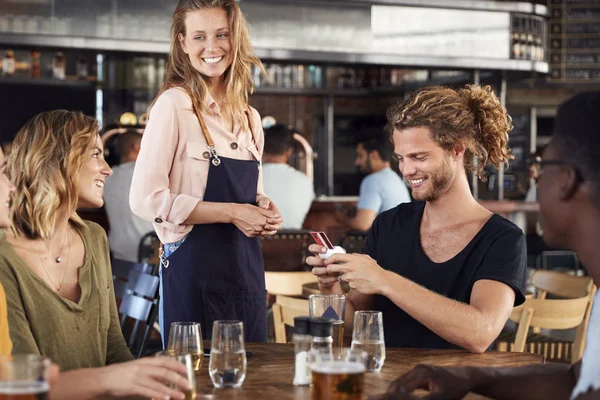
column 171, row 171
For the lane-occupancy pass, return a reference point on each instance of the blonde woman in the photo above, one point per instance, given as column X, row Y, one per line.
column 55, row 267
column 198, row 175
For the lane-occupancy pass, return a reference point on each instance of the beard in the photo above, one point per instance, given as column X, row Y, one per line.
column 439, row 182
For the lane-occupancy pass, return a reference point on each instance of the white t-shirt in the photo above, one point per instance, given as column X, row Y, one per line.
column 126, row 228
column 589, row 378
column 290, row 190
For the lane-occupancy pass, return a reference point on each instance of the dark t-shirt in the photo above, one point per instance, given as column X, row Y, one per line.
column 497, row 252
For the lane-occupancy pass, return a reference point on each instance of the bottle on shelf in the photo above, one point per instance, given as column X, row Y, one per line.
column 516, row 39
column 82, row 67
column 523, row 40
column 59, row 64
column 36, row 68
column 8, row 63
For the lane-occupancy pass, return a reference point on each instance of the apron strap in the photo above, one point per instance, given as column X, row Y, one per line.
column 209, row 141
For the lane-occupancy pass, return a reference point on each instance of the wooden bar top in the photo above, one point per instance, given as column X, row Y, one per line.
column 271, row 370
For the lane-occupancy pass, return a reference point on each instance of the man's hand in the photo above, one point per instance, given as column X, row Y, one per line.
column 442, row 384
column 362, row 273
column 326, row 280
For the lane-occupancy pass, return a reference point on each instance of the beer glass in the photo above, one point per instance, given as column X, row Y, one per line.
column 227, row 365
column 338, row 376
column 367, row 336
column 187, row 360
column 186, row 338
column 24, row 377
column 330, row 306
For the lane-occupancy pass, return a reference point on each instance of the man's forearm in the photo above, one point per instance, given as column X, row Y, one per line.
column 537, row 382
column 456, row 322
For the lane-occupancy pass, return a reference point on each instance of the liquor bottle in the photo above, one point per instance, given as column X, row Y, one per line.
column 35, row 64
column 8, row 63
column 59, row 64
column 82, row 67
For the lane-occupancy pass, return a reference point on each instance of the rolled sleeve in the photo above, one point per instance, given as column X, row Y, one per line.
column 150, row 196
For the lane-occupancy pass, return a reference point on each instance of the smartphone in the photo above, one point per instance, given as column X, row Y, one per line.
column 322, row 239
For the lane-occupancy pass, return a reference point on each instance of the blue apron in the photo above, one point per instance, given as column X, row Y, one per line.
column 217, row 273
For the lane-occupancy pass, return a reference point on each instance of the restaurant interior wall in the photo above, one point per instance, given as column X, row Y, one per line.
column 356, row 89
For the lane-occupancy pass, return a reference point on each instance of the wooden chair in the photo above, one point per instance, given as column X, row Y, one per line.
column 570, row 307
column 287, row 283
column 284, row 311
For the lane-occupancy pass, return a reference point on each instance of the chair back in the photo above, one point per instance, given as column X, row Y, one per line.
column 284, row 311
column 549, row 314
column 139, row 310
column 560, row 284
column 286, row 250
column 126, row 273
column 287, row 283
column 353, row 241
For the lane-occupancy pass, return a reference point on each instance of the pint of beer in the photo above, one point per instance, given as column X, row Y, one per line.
column 24, row 377
column 338, row 376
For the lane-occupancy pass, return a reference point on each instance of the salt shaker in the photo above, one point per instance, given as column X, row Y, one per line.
column 321, row 331
column 302, row 345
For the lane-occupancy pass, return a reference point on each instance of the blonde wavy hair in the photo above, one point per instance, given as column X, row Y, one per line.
column 179, row 71
column 45, row 162
column 472, row 115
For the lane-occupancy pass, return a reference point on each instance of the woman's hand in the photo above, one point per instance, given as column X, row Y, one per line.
column 147, row 377
column 325, row 279
column 274, row 224
column 252, row 220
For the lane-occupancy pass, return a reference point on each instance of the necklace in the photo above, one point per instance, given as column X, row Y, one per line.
column 58, row 260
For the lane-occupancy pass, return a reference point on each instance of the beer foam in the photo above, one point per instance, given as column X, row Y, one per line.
column 338, row 367
column 28, row 387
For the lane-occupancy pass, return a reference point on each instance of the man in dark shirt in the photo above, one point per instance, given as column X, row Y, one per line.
column 568, row 176
column 445, row 271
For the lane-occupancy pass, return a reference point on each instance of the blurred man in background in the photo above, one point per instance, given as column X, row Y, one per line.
column 381, row 190
column 126, row 228
column 289, row 188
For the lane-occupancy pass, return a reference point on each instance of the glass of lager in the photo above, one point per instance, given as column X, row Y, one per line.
column 186, row 338
column 227, row 365
column 24, row 377
column 330, row 306
column 367, row 336
column 187, row 360
column 338, row 376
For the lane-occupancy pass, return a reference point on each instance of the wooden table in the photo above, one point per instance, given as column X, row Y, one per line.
column 271, row 370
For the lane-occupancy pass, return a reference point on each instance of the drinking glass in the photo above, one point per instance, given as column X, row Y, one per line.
column 186, row 338
column 330, row 306
column 187, row 360
column 227, row 365
column 367, row 336
column 338, row 376
column 24, row 376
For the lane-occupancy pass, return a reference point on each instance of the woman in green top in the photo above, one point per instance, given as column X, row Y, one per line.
column 55, row 267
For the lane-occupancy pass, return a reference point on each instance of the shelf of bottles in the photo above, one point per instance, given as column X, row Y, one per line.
column 320, row 79
column 528, row 37
column 47, row 67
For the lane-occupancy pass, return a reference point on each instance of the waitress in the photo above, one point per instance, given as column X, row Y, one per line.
column 198, row 174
